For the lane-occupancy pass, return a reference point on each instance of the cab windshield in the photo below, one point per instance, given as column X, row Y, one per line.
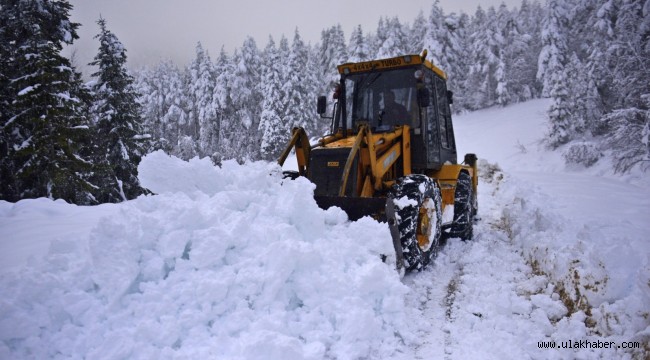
column 382, row 99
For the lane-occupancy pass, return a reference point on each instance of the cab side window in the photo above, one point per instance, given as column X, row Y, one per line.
column 431, row 116
column 444, row 114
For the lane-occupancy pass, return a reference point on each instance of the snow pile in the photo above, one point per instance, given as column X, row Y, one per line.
column 602, row 279
column 245, row 267
column 29, row 226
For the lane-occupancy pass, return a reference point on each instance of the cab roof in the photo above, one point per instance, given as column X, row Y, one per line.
column 390, row 63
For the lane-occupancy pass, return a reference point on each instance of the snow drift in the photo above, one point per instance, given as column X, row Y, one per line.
column 224, row 262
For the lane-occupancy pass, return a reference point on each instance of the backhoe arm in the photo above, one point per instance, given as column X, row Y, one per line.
column 300, row 141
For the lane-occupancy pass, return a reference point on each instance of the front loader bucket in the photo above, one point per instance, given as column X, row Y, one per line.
column 355, row 207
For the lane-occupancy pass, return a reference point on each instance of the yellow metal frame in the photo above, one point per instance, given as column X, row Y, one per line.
column 377, row 154
column 300, row 141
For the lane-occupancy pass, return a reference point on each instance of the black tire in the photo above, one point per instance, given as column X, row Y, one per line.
column 464, row 208
column 418, row 219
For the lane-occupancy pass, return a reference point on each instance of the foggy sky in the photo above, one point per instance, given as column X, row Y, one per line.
column 153, row 30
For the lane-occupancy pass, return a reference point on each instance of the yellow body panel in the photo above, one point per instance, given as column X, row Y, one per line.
column 447, row 177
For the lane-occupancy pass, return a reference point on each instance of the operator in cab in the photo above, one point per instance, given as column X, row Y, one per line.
column 393, row 113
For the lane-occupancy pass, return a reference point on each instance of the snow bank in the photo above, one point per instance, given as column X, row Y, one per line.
column 225, row 262
column 603, row 280
column 29, row 226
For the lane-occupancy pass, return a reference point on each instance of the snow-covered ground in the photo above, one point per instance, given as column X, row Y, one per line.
column 234, row 263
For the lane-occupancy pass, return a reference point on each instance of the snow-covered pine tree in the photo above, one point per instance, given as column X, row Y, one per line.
column 629, row 59
column 203, row 125
column 44, row 125
column 458, row 59
column 314, row 88
column 272, row 128
column 630, row 53
column 300, row 105
column 552, row 73
column 560, row 121
column 583, row 98
column 332, row 53
column 417, row 34
column 504, row 22
column 144, row 86
column 394, row 42
column 117, row 123
column 445, row 39
column 380, row 36
column 519, row 56
column 7, row 184
column 525, row 66
column 629, row 138
column 222, row 103
column 283, row 66
column 554, row 55
column 358, row 48
column 483, row 60
column 247, row 99
column 592, row 30
column 435, row 33
column 164, row 102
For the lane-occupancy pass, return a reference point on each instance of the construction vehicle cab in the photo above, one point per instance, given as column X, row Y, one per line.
column 417, row 86
column 391, row 155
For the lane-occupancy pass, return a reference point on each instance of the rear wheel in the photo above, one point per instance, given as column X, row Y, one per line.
column 462, row 226
column 416, row 220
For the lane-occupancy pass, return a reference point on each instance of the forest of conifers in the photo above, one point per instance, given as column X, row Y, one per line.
column 62, row 137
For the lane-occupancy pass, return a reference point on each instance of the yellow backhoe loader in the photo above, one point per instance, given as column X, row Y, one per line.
column 391, row 154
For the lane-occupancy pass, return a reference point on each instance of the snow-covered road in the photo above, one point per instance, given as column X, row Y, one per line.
column 615, row 207
column 233, row 263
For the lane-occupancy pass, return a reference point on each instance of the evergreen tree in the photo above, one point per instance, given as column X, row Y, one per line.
column 583, row 98
column 299, row 110
column 321, row 126
column 358, row 48
column 445, row 40
column 394, row 43
column 525, row 65
column 519, row 57
column 332, row 53
column 560, row 122
column 272, row 129
column 505, row 26
column 44, row 131
column 433, row 38
column 553, row 57
column 553, row 61
column 202, row 125
column 222, row 103
column 117, row 122
column 417, row 34
column 629, row 60
column 247, row 99
column 483, row 60
column 380, row 36
column 163, row 98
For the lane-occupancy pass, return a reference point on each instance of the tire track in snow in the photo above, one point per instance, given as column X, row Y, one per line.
column 431, row 299
column 474, row 301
